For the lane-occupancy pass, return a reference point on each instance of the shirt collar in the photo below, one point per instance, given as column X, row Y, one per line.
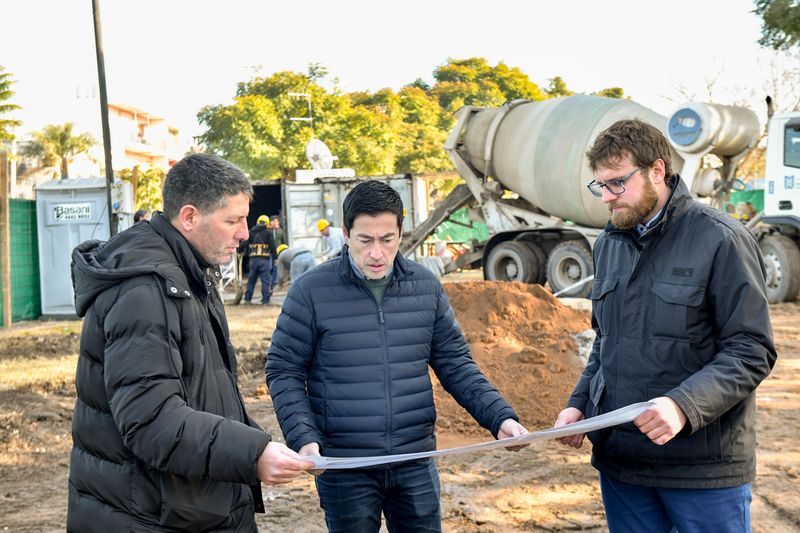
column 641, row 228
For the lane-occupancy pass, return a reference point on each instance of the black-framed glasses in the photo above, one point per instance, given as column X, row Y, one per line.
column 615, row 186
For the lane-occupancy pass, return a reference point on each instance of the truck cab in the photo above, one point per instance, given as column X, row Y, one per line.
column 778, row 228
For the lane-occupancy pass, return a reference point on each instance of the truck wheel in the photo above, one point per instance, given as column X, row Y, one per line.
column 541, row 261
column 782, row 260
column 570, row 262
column 512, row 261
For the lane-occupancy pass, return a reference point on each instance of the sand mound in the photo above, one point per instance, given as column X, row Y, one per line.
column 523, row 340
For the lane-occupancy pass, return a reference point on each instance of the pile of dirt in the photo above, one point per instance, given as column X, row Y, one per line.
column 44, row 345
column 523, row 339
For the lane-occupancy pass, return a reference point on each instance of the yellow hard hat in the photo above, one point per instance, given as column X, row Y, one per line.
column 322, row 224
column 281, row 248
column 262, row 218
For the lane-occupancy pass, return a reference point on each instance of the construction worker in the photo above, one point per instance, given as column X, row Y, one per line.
column 332, row 239
column 261, row 247
column 291, row 262
column 280, row 238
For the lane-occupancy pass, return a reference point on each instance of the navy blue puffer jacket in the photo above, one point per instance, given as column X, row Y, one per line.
column 352, row 374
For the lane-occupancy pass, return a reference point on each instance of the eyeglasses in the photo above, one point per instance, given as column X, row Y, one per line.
column 615, row 186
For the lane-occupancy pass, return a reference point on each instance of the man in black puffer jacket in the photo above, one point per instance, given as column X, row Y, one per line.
column 348, row 371
column 161, row 439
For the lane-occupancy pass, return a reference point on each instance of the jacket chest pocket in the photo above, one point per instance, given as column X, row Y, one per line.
column 602, row 297
column 676, row 308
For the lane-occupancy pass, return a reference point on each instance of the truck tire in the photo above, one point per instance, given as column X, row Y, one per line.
column 541, row 260
column 782, row 259
column 570, row 262
column 512, row 261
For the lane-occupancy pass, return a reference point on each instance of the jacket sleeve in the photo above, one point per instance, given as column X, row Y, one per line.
column 147, row 398
column 745, row 348
column 288, row 359
column 459, row 374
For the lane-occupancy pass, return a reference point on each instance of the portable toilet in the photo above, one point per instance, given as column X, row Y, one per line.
column 68, row 212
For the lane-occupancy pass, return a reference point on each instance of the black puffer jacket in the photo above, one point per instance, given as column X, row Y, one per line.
column 365, row 363
column 679, row 312
column 161, row 440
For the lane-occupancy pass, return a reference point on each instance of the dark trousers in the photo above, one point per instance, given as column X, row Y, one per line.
column 406, row 493
column 260, row 268
column 633, row 508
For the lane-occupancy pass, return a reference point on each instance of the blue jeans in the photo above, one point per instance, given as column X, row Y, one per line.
column 260, row 268
column 646, row 509
column 406, row 493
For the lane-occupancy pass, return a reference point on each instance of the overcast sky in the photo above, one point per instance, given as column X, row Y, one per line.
column 171, row 57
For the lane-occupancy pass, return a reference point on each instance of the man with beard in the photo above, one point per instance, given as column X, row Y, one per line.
column 680, row 309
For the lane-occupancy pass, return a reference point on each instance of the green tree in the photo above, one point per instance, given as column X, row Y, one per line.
column 149, row 184
column 474, row 81
column 611, row 92
column 257, row 131
column 558, row 87
column 781, row 23
column 5, row 94
column 421, row 140
column 56, row 145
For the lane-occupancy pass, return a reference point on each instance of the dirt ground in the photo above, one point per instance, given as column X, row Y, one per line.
column 524, row 340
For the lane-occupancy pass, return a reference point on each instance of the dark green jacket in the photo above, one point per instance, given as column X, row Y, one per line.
column 161, row 440
column 680, row 312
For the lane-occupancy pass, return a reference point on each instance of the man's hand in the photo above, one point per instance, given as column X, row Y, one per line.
column 312, row 448
column 662, row 421
column 512, row 428
column 278, row 464
column 568, row 416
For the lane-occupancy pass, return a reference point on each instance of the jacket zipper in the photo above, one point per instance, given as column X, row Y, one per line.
column 385, row 349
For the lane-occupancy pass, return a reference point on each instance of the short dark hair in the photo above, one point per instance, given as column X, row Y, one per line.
column 205, row 181
column 372, row 197
column 275, row 217
column 643, row 142
column 140, row 214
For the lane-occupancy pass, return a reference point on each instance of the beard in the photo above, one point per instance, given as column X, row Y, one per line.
column 636, row 213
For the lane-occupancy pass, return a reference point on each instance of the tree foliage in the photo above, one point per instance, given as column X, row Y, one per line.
column 611, row 92
column 384, row 132
column 56, row 145
column 149, row 184
column 781, row 23
column 5, row 94
column 557, row 87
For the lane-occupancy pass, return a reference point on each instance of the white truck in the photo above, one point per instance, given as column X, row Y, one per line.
column 525, row 169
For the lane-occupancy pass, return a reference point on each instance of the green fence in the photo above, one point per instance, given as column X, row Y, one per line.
column 25, row 295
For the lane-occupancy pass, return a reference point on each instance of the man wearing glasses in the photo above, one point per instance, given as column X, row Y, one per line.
column 680, row 310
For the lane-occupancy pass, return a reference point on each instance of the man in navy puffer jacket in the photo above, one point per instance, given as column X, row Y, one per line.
column 348, row 371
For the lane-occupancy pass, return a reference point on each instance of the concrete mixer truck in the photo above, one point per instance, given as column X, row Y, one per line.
column 525, row 169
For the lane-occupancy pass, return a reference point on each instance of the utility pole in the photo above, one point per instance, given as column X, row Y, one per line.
column 5, row 238
column 101, row 76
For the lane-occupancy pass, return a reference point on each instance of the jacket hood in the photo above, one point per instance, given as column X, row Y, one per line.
column 143, row 249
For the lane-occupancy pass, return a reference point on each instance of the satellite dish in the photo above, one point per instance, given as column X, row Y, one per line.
column 319, row 155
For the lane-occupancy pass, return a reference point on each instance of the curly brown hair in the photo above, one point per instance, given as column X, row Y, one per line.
column 642, row 142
